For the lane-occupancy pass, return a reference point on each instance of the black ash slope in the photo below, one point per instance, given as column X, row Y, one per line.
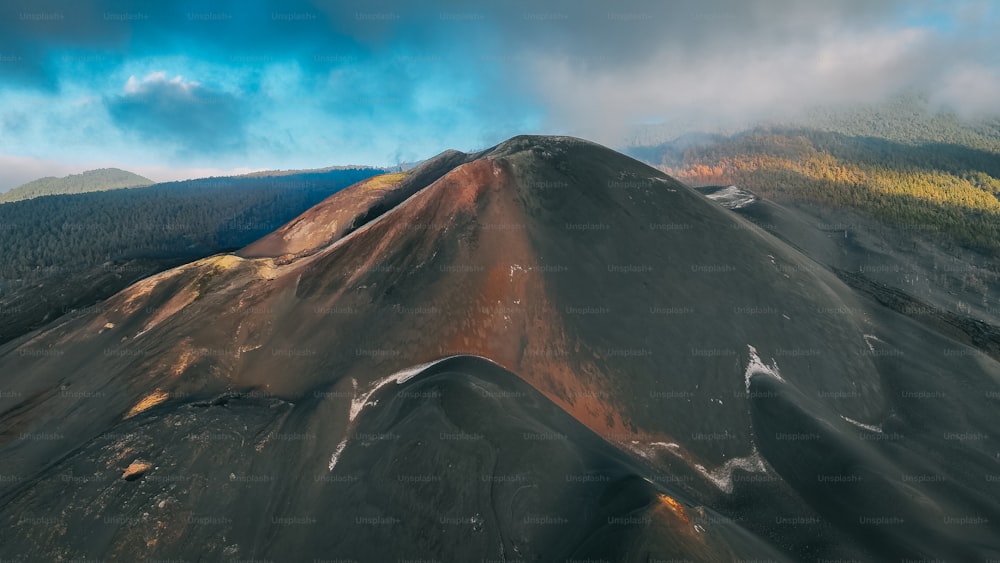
column 675, row 383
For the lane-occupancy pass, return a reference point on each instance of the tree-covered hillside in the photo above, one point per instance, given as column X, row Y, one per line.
column 89, row 181
column 172, row 219
column 941, row 188
column 63, row 252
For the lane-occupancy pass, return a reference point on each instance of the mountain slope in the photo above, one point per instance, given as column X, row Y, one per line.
column 62, row 253
column 343, row 212
column 90, row 181
column 634, row 331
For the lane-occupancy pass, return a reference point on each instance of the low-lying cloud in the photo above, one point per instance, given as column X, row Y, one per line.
column 161, row 109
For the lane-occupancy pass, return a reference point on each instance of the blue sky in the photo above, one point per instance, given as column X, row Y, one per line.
column 192, row 88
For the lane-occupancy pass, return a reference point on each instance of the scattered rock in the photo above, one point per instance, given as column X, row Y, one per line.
column 136, row 469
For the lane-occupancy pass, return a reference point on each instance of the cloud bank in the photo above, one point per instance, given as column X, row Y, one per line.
column 303, row 83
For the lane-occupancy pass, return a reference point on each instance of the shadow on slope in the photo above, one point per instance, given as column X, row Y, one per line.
column 461, row 447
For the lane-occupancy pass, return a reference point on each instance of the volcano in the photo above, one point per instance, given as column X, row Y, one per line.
column 543, row 351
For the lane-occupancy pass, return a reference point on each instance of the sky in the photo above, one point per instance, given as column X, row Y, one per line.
column 187, row 88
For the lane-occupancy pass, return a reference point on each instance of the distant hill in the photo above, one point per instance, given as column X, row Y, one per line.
column 98, row 180
column 296, row 172
column 945, row 191
column 65, row 252
column 902, row 162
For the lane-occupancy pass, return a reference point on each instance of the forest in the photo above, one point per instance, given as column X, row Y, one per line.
column 941, row 188
column 177, row 219
column 64, row 252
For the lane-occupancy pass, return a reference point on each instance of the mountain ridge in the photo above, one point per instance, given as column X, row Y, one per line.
column 99, row 179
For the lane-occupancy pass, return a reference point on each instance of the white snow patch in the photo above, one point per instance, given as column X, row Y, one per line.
column 359, row 402
column 670, row 445
column 757, row 366
column 868, row 341
column 869, row 427
column 732, row 197
column 336, row 453
column 665, row 181
column 722, row 476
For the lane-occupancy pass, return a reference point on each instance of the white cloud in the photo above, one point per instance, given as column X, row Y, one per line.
column 157, row 79
column 180, row 114
column 715, row 89
column 970, row 90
